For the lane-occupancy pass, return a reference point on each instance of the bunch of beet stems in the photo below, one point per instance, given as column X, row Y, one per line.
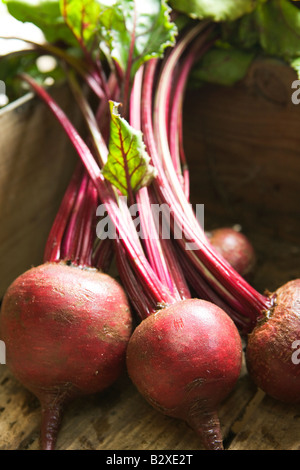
column 72, row 238
column 153, row 274
column 161, row 123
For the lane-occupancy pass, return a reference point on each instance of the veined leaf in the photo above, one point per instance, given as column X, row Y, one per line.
column 82, row 17
column 128, row 31
column 128, row 164
column 134, row 31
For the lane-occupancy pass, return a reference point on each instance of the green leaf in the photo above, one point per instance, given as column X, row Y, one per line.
column 273, row 28
column 223, row 66
column 217, row 10
column 45, row 14
column 278, row 23
column 128, row 164
column 82, row 17
column 129, row 31
column 295, row 64
column 134, row 31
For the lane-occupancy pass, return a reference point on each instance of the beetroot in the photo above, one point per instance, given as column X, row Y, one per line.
column 66, row 330
column 171, row 364
column 270, row 354
column 235, row 247
column 182, row 369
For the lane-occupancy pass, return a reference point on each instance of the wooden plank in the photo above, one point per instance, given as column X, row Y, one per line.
column 268, row 425
column 244, row 149
column 116, row 419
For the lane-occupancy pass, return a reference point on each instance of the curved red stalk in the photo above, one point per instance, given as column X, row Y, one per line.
column 139, row 298
column 103, row 254
column 95, row 67
column 127, row 78
column 88, row 226
column 152, row 241
column 174, row 121
column 161, row 182
column 71, row 242
column 55, row 237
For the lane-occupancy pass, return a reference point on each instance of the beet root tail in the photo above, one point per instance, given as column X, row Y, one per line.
column 207, row 426
column 52, row 412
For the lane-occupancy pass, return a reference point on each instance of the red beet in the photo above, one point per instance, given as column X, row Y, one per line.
column 185, row 359
column 235, row 247
column 66, row 331
column 271, row 354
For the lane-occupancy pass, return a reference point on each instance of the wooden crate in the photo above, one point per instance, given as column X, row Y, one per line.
column 243, row 148
column 35, row 165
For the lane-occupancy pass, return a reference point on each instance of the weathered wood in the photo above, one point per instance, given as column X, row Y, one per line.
column 243, row 147
column 270, row 426
column 118, row 418
column 36, row 161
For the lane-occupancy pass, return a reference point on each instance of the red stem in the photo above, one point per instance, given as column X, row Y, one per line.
column 54, row 242
column 88, row 226
column 127, row 78
column 158, row 292
column 174, row 124
column 103, row 255
column 96, row 70
column 151, row 239
column 139, row 298
column 72, row 238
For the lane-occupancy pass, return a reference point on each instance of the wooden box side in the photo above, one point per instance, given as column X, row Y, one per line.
column 36, row 162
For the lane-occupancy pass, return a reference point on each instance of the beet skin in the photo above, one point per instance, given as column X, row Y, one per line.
column 235, row 247
column 272, row 353
column 185, row 359
column 66, row 331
